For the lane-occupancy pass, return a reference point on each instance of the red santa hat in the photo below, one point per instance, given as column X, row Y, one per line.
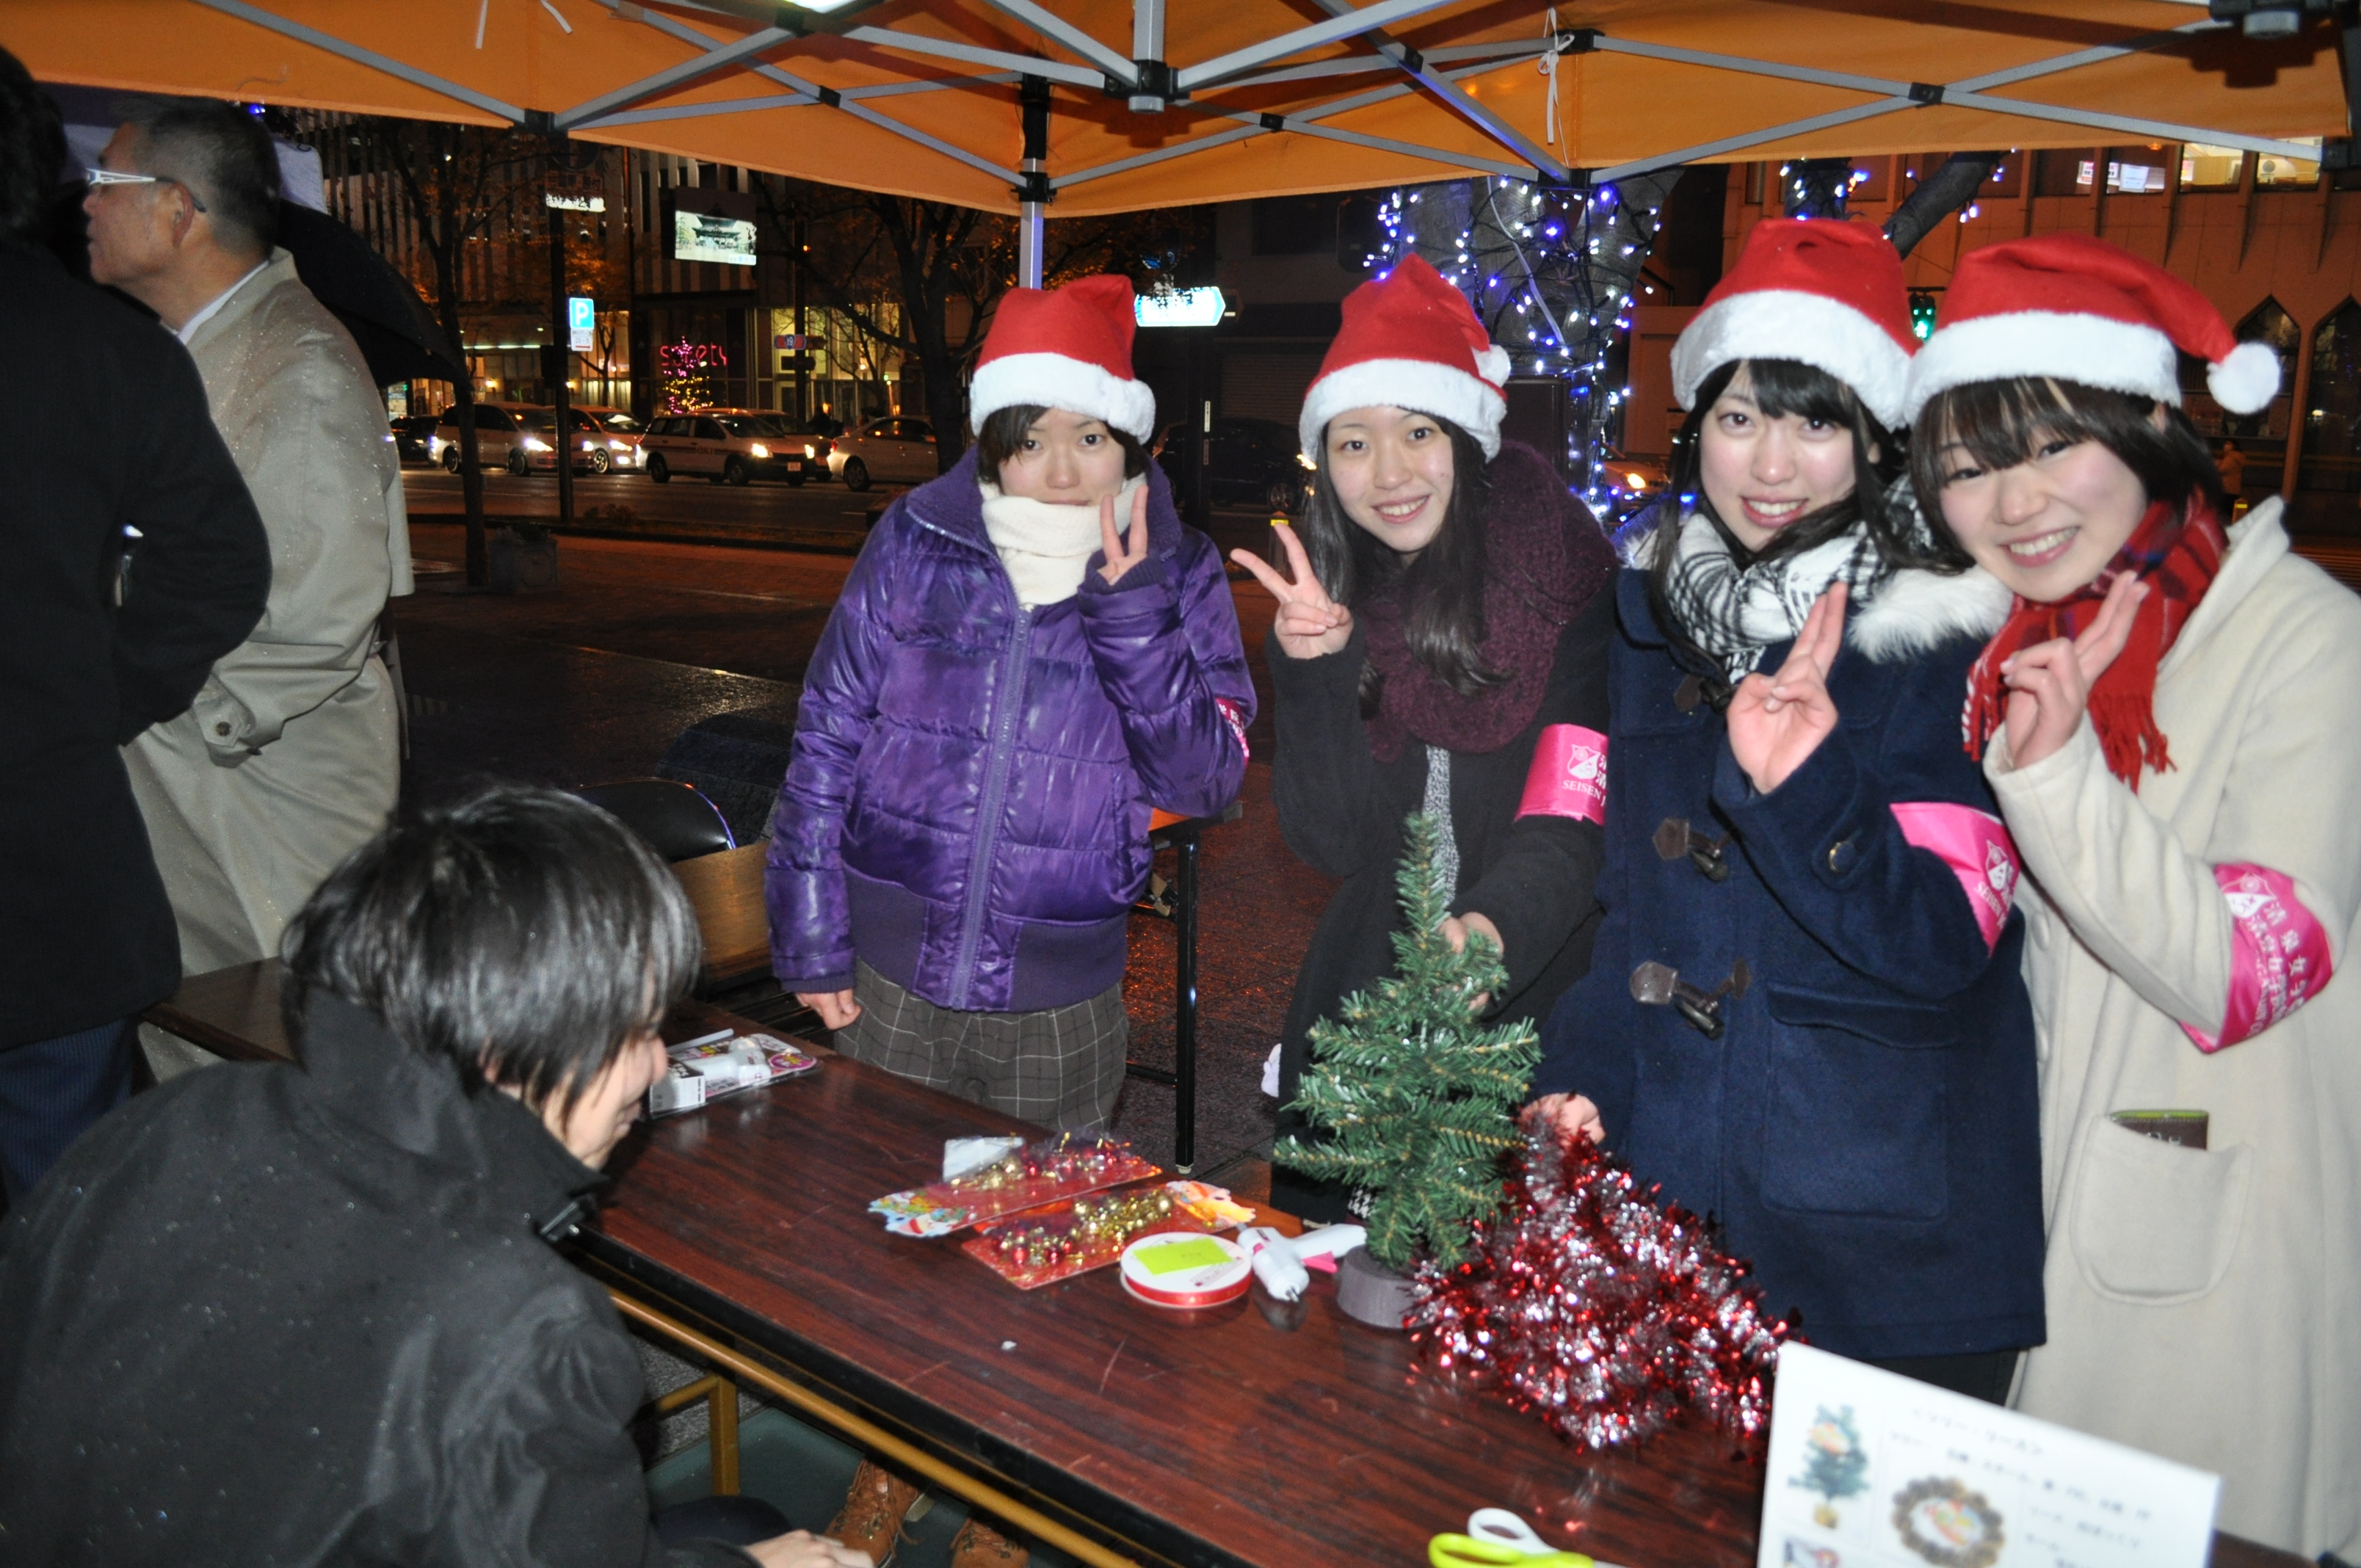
column 1816, row 290
column 1065, row 348
column 2081, row 310
column 1409, row 341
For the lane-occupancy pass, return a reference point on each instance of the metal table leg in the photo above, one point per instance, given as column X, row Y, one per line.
column 1184, row 1019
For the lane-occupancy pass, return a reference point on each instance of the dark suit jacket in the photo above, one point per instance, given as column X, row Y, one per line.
column 108, row 429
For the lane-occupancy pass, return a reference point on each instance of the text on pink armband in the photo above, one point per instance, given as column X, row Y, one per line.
column 1230, row 711
column 1977, row 847
column 1569, row 777
column 2278, row 954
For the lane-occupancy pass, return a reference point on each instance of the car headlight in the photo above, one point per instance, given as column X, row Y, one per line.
column 759, row 450
column 619, row 446
column 1637, row 481
column 810, row 450
column 535, row 444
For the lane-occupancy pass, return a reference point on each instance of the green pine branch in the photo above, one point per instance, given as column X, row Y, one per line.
column 1417, row 1096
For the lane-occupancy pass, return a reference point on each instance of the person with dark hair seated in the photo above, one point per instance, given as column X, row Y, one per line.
column 281, row 1314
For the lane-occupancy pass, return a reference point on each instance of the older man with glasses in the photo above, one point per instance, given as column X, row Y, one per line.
column 289, row 759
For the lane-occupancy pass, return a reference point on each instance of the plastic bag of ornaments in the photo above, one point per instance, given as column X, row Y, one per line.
column 714, row 1064
column 1044, row 1171
column 1056, row 1242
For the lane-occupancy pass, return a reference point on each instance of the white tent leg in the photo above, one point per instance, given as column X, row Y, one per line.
column 1030, row 236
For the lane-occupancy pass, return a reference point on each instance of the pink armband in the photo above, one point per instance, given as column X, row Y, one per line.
column 2278, row 954
column 1568, row 777
column 1976, row 847
column 1238, row 724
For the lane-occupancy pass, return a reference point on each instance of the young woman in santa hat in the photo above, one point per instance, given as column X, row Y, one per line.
column 1031, row 653
column 1442, row 647
column 2167, row 717
column 1804, row 1015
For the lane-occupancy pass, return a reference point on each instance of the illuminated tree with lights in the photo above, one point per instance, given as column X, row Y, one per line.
column 1552, row 272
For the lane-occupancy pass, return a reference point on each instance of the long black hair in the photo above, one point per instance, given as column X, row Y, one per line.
column 2003, row 424
column 1442, row 591
column 1878, row 500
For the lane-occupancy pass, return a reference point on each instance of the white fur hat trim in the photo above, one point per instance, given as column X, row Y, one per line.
column 1055, row 381
column 1463, row 397
column 2093, row 350
column 1785, row 323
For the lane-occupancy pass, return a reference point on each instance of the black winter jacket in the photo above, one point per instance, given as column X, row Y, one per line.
column 109, row 412
column 266, row 1315
column 1341, row 811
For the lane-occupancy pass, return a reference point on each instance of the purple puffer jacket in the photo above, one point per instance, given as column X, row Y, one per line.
column 966, row 807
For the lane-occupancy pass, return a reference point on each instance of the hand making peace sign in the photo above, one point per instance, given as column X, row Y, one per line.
column 2050, row 683
column 1310, row 624
column 1777, row 721
column 1123, row 554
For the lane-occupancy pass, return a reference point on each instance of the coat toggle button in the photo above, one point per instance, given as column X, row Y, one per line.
column 1657, row 985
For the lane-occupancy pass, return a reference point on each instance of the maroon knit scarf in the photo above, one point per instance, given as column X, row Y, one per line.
column 1543, row 560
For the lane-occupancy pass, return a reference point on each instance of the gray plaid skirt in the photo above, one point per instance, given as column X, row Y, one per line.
column 1061, row 1067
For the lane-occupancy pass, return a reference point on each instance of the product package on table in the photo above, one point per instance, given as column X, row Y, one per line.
column 1061, row 1240
column 1044, row 1171
column 722, row 1063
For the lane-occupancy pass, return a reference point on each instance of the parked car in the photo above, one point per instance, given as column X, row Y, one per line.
column 1248, row 462
column 727, row 446
column 414, row 437
column 897, row 449
column 587, row 444
column 622, row 433
column 500, row 443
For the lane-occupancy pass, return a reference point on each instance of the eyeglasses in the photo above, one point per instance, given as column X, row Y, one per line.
column 97, row 177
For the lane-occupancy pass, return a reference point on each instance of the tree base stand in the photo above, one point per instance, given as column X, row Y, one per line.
column 1371, row 1293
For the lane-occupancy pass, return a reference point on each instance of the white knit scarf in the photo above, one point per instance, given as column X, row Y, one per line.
column 1046, row 547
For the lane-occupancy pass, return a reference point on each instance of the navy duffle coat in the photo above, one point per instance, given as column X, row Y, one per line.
column 1866, row 1128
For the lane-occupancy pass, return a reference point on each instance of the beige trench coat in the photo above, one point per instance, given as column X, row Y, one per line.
column 2207, row 1305
column 289, row 758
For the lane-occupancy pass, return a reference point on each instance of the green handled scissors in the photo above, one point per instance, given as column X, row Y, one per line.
column 1497, row 1538
column 1467, row 1552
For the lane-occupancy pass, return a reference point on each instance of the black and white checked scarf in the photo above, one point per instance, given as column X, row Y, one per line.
column 1734, row 614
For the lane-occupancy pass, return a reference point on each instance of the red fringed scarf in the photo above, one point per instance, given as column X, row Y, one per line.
column 2178, row 559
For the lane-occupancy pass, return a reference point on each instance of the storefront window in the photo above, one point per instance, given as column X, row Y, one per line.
column 2208, row 168
column 2270, row 169
column 2332, row 416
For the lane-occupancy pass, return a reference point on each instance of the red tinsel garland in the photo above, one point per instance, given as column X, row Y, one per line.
column 1608, row 1314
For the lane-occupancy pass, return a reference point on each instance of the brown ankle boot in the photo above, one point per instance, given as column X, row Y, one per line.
column 977, row 1545
column 871, row 1520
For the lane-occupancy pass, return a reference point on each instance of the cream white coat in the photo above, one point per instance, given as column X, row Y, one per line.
column 289, row 759
column 2206, row 1306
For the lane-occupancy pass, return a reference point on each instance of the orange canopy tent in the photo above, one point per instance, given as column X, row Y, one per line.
column 1153, row 104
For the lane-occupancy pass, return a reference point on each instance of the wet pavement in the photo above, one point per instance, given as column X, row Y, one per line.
column 643, row 637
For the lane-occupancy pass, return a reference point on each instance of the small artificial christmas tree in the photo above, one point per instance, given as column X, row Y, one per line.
column 1417, row 1095
column 1605, row 1311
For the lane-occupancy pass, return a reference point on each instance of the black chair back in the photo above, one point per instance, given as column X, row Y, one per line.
column 675, row 818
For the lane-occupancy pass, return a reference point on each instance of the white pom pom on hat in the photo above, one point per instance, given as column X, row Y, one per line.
column 1411, row 341
column 2077, row 309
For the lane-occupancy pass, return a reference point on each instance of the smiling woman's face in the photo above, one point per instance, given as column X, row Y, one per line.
column 1762, row 472
column 1392, row 471
column 2047, row 527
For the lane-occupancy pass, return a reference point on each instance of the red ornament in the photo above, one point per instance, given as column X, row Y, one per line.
column 1606, row 1313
